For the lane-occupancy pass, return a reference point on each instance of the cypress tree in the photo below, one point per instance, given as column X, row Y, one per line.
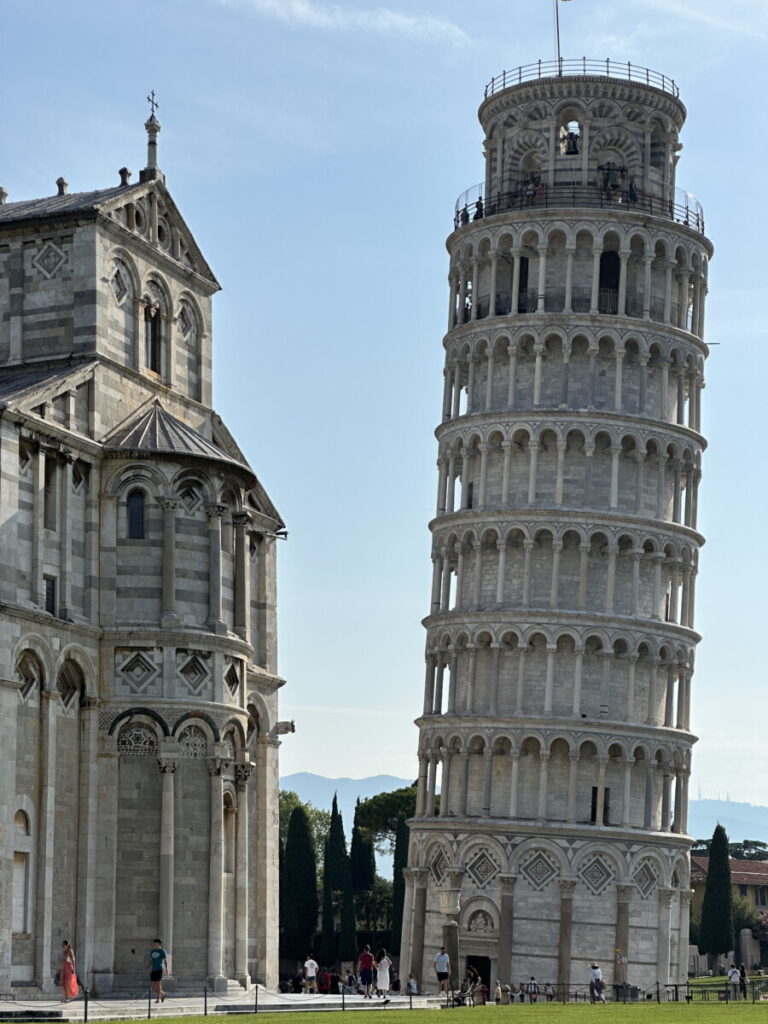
column 398, row 881
column 298, row 907
column 336, row 850
column 348, row 938
column 363, row 859
column 716, row 927
column 326, row 953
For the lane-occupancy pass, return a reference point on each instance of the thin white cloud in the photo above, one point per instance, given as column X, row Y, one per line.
column 331, row 17
column 743, row 18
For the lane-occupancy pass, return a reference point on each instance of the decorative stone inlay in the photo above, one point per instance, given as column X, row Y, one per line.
column 119, row 285
column 483, row 868
column 29, row 674
column 138, row 740
column 191, row 498
column 597, row 873
column 193, row 742
column 480, row 921
column 232, row 679
column 185, row 322
column 194, row 668
column 136, row 668
column 645, row 879
column 538, row 870
column 439, row 866
column 49, row 260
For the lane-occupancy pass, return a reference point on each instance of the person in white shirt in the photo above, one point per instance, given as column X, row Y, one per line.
column 734, row 977
column 310, row 974
column 596, row 985
column 442, row 964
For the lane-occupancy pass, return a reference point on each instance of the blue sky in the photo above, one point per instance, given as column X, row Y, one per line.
column 316, row 150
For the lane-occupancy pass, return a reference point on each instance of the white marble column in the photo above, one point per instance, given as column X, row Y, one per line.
column 215, row 513
column 243, row 773
column 169, row 617
column 242, row 588
column 9, row 700
column 45, row 845
column 167, row 766
column 216, row 979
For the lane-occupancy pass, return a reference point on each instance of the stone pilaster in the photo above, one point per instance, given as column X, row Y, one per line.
column 506, row 927
column 242, row 775
column 565, row 937
column 9, row 698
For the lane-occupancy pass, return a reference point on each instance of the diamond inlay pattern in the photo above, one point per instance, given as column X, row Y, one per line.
column 483, row 869
column 137, row 670
column 597, row 874
column 49, row 259
column 439, row 866
column 539, row 870
column 645, row 879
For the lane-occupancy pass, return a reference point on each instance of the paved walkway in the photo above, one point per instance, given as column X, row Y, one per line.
column 180, row 1004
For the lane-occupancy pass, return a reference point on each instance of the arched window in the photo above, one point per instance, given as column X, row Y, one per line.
column 152, row 338
column 22, row 854
column 135, row 506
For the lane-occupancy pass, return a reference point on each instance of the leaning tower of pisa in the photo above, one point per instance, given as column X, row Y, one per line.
column 560, row 641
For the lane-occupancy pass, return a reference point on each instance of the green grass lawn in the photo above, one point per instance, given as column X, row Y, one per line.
column 632, row 1013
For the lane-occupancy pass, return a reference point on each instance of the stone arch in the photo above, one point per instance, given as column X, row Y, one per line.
column 76, row 654
column 140, row 714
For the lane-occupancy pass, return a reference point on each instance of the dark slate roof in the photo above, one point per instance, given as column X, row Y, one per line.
column 153, row 429
column 19, row 385
column 52, row 206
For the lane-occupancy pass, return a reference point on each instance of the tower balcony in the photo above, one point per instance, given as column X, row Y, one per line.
column 610, row 193
column 581, row 67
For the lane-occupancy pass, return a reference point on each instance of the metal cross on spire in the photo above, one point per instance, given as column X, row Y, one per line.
column 153, row 104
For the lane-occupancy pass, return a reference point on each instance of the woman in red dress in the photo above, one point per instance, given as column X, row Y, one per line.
column 68, row 973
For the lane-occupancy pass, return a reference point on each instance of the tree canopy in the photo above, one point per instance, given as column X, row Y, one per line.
column 378, row 815
column 319, row 820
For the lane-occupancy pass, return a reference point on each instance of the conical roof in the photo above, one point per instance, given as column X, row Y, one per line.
column 153, row 429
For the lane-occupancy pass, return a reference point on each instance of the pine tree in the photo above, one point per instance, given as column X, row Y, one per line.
column 398, row 881
column 348, row 938
column 326, row 953
column 336, row 850
column 716, row 927
column 298, row 907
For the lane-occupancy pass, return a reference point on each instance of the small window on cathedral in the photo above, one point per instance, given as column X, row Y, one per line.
column 49, row 494
column 135, row 505
column 152, row 337
column 49, row 583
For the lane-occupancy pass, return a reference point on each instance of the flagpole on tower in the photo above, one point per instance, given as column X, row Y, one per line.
column 557, row 36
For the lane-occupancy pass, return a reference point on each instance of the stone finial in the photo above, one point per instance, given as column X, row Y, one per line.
column 125, row 175
column 3, row 196
column 63, row 186
column 153, row 128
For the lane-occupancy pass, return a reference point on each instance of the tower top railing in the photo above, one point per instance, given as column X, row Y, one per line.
column 581, row 66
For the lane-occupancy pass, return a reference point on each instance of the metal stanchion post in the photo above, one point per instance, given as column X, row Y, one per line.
column 149, row 1004
column 85, row 1006
column 410, row 999
column 343, row 1006
column 205, row 1001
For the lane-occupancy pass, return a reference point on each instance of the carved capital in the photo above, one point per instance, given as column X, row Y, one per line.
column 168, row 504
column 507, row 883
column 567, row 886
column 167, row 766
column 624, row 893
column 243, row 772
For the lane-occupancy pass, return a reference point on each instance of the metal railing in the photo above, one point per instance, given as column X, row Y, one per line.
column 684, row 209
column 581, row 66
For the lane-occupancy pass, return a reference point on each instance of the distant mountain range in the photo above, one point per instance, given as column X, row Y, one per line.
column 740, row 820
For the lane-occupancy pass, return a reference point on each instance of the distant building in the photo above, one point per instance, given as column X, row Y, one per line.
column 749, row 881
column 560, row 642
column 138, row 669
